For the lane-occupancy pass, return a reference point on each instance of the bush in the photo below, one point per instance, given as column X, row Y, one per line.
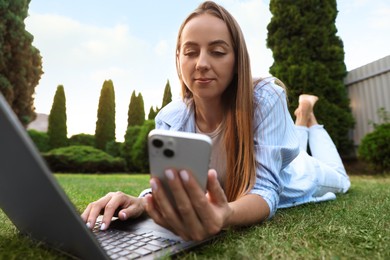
column 114, row 148
column 375, row 149
column 130, row 138
column 82, row 139
column 139, row 153
column 82, row 159
column 41, row 140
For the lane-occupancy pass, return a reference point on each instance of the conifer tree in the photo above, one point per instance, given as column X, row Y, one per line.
column 136, row 112
column 167, row 98
column 105, row 124
column 20, row 61
column 57, row 129
column 141, row 109
column 152, row 113
column 309, row 58
column 131, row 113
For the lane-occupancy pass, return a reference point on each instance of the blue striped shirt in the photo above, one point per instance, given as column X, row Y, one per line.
column 275, row 145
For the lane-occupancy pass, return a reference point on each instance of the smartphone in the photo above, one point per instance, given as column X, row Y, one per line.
column 180, row 151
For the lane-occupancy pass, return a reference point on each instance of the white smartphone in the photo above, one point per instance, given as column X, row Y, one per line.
column 180, row 151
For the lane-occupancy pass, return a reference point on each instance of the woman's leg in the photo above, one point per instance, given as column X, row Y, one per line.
column 332, row 176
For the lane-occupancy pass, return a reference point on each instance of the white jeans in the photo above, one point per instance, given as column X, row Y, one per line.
column 331, row 175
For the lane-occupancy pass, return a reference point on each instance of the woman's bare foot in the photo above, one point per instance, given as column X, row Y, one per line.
column 310, row 98
column 304, row 113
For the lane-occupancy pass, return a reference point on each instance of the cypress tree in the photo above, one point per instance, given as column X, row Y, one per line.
column 167, row 98
column 152, row 113
column 136, row 112
column 141, row 109
column 105, row 124
column 309, row 58
column 20, row 61
column 131, row 113
column 57, row 129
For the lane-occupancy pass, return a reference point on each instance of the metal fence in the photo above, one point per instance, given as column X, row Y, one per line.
column 369, row 90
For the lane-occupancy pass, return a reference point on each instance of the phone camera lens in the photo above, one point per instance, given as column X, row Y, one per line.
column 169, row 153
column 157, row 143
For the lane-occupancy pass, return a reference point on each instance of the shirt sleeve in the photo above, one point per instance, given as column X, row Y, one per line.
column 276, row 143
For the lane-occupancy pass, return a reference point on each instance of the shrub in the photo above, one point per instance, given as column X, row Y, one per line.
column 41, row 140
column 375, row 149
column 82, row 139
column 114, row 148
column 83, row 159
column 130, row 138
column 139, row 153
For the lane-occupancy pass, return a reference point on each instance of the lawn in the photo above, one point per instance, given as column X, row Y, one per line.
column 355, row 226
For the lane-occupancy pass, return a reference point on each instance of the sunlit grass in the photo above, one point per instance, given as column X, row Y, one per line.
column 355, row 226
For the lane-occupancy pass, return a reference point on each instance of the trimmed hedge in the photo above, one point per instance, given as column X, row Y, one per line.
column 40, row 139
column 82, row 139
column 83, row 159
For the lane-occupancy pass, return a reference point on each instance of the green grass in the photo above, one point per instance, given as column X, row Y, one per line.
column 355, row 226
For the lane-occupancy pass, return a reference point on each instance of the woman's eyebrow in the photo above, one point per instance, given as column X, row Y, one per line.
column 219, row 42
column 212, row 43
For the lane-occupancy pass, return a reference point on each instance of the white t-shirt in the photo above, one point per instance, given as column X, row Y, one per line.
column 218, row 152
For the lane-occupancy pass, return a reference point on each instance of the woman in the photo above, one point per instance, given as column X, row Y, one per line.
column 257, row 163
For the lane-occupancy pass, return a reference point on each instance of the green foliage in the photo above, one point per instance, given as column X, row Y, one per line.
column 384, row 117
column 130, row 139
column 20, row 61
column 40, row 139
column 375, row 148
column 83, row 159
column 114, row 148
column 57, row 129
column 82, row 139
column 139, row 152
column 105, row 124
column 152, row 113
column 309, row 58
column 167, row 98
column 136, row 112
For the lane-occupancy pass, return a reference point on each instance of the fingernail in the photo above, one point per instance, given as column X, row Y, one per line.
column 124, row 216
column 184, row 175
column 88, row 224
column 153, row 184
column 213, row 173
column 103, row 226
column 169, row 174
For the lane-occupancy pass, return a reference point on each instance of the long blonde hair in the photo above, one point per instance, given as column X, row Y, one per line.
column 239, row 108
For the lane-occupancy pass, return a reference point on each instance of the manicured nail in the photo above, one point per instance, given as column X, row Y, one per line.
column 103, row 226
column 88, row 224
column 213, row 173
column 170, row 175
column 153, row 184
column 184, row 175
column 124, row 216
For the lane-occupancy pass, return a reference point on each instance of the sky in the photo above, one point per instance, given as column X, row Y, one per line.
column 83, row 43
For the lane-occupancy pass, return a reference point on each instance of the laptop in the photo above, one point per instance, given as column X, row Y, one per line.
column 36, row 204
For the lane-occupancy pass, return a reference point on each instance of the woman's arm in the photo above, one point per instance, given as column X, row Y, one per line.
column 248, row 210
column 276, row 143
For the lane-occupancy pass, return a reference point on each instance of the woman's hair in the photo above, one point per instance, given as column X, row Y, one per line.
column 238, row 105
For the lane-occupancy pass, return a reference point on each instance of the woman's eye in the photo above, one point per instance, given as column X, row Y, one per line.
column 218, row 53
column 190, row 53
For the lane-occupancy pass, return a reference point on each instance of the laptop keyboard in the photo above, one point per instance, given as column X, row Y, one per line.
column 126, row 245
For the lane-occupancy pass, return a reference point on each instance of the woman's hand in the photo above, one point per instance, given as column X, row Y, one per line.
column 197, row 215
column 114, row 203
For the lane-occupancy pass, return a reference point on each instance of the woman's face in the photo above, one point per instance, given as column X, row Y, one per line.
column 206, row 58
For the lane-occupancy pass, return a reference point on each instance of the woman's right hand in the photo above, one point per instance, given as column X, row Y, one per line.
column 114, row 202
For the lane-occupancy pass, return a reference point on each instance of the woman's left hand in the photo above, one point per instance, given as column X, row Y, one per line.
column 197, row 215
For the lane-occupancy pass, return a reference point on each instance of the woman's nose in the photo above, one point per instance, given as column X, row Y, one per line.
column 203, row 62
